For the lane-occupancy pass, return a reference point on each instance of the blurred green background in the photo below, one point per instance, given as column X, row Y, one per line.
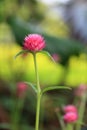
column 17, row 19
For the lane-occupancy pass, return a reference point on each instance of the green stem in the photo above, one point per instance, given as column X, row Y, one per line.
column 61, row 121
column 81, row 111
column 36, row 72
column 69, row 127
column 38, row 112
column 38, row 94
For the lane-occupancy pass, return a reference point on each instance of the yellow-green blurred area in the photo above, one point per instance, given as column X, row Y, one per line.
column 50, row 73
column 77, row 70
column 22, row 68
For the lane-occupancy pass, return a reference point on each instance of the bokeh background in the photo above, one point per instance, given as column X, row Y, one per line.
column 67, row 46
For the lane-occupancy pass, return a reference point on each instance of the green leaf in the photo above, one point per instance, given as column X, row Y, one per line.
column 33, row 86
column 48, row 54
column 21, row 52
column 53, row 88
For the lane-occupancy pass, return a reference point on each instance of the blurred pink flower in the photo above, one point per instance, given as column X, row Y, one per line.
column 34, row 42
column 81, row 90
column 21, row 88
column 70, row 108
column 56, row 57
column 70, row 117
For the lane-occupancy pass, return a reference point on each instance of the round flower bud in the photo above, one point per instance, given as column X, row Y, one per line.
column 70, row 108
column 70, row 117
column 34, row 42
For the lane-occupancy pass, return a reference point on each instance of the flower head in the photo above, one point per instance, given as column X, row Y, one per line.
column 70, row 117
column 70, row 108
column 34, row 42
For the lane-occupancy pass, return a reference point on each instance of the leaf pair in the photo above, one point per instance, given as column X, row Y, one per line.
column 46, row 88
column 27, row 51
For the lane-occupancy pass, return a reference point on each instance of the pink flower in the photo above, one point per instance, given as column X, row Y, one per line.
column 21, row 88
column 56, row 57
column 34, row 42
column 70, row 108
column 70, row 117
column 81, row 90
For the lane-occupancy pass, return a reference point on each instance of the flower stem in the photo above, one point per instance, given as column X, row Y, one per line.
column 69, row 126
column 81, row 111
column 36, row 72
column 61, row 121
column 37, row 112
column 38, row 94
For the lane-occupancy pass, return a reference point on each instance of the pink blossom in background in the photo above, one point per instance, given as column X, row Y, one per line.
column 70, row 108
column 81, row 90
column 21, row 88
column 70, row 117
column 34, row 42
column 56, row 57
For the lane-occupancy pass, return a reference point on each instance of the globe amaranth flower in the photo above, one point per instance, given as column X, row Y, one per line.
column 34, row 42
column 70, row 108
column 70, row 117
